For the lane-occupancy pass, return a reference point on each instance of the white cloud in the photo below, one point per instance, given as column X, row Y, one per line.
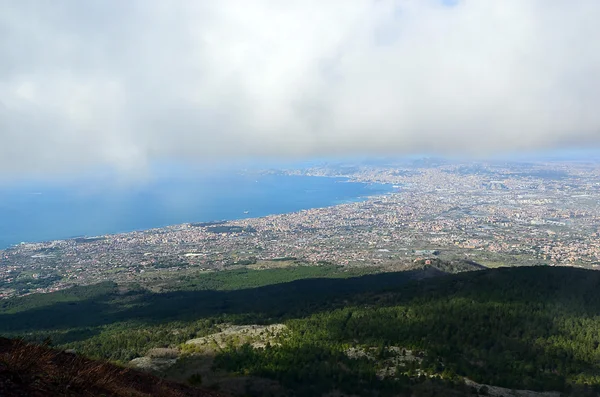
column 85, row 83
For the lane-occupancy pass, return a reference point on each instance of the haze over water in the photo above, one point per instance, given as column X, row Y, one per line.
column 39, row 213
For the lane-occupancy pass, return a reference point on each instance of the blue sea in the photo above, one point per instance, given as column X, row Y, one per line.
column 32, row 212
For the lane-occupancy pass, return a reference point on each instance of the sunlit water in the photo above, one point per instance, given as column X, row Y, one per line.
column 46, row 212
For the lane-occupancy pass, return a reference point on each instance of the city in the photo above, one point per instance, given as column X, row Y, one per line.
column 495, row 214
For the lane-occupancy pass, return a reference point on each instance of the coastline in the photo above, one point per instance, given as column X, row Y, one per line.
column 382, row 190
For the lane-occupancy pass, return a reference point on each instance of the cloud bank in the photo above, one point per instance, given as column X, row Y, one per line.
column 126, row 83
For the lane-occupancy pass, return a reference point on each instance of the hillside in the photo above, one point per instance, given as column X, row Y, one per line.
column 33, row 370
column 519, row 328
column 315, row 331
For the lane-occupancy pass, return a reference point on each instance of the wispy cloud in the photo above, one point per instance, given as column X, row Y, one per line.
column 125, row 83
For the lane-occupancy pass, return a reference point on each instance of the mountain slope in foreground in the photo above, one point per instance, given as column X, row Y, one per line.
column 33, row 370
column 532, row 329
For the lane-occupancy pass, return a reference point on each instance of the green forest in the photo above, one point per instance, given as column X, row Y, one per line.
column 534, row 328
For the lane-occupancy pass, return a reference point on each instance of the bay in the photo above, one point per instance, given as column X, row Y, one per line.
column 42, row 212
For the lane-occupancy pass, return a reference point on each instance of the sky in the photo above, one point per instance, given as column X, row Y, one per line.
column 127, row 84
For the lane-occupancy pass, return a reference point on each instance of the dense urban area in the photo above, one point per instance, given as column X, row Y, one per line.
column 492, row 213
